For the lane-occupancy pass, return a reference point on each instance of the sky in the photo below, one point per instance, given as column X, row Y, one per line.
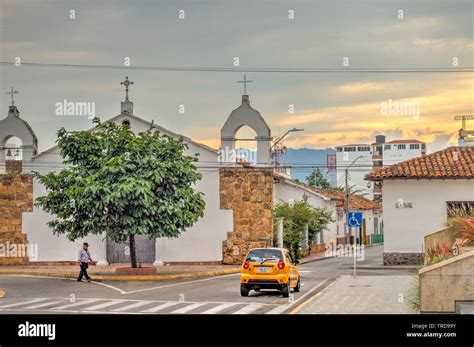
column 333, row 108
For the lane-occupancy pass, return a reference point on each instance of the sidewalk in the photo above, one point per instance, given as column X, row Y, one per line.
column 363, row 295
column 313, row 257
column 108, row 272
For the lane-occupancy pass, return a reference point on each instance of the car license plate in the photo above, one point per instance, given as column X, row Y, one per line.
column 263, row 269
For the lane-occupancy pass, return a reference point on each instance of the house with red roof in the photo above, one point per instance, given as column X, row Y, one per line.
column 417, row 196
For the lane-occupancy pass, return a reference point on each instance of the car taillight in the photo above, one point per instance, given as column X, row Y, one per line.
column 281, row 265
column 245, row 265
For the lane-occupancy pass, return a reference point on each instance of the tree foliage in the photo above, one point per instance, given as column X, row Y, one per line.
column 122, row 184
column 296, row 215
column 317, row 180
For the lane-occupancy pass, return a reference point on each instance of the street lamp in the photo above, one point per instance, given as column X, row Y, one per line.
column 284, row 135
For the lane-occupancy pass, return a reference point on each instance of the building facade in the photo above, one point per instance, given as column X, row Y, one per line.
column 417, row 197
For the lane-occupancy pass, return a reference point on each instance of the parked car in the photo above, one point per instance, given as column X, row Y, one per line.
column 269, row 268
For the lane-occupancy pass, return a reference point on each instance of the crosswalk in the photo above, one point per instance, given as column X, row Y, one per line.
column 125, row 306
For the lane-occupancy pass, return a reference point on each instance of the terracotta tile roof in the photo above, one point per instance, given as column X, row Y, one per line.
column 356, row 202
column 452, row 162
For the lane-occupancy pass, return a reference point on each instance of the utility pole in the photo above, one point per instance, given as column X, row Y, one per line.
column 348, row 234
column 346, row 205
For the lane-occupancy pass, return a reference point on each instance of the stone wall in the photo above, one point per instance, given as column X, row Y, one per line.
column 249, row 193
column 447, row 282
column 400, row 258
column 12, row 166
column 16, row 197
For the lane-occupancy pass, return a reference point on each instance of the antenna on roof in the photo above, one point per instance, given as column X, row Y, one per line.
column 464, row 118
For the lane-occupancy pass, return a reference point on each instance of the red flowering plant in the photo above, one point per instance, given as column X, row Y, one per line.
column 439, row 253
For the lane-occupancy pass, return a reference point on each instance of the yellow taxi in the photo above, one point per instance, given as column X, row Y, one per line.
column 269, row 268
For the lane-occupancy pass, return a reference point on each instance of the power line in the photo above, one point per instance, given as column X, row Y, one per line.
column 243, row 69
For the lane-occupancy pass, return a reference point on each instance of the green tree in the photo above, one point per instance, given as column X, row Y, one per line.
column 296, row 215
column 352, row 190
column 122, row 184
column 317, row 180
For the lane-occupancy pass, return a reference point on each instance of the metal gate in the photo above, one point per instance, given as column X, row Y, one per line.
column 120, row 253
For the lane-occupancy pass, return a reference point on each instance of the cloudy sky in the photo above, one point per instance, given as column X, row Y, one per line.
column 333, row 108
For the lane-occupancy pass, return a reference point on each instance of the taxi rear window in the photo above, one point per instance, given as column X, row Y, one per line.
column 264, row 254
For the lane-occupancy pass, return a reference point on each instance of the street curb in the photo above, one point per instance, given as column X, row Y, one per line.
column 125, row 278
column 388, row 267
column 302, row 262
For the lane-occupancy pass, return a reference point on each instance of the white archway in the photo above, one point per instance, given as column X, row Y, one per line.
column 245, row 115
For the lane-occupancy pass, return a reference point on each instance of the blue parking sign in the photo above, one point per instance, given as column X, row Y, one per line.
column 355, row 219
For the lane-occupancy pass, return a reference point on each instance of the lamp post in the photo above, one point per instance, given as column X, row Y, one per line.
column 276, row 155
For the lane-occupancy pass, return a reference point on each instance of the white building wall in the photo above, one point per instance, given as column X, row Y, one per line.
column 357, row 172
column 394, row 155
column 404, row 228
column 285, row 192
column 202, row 242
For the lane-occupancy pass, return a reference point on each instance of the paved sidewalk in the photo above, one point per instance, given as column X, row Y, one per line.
column 363, row 295
column 313, row 257
column 108, row 272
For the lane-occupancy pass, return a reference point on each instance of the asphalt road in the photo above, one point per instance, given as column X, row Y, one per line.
column 212, row 295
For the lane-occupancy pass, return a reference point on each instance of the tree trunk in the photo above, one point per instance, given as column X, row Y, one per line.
column 133, row 253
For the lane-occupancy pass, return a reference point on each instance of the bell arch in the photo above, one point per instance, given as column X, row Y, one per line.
column 245, row 115
column 14, row 126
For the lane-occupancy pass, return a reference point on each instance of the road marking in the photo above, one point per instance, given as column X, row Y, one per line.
column 123, row 292
column 32, row 307
column 219, row 308
column 297, row 309
column 131, row 306
column 110, row 287
column 189, row 308
column 107, row 304
column 160, row 307
column 181, row 283
column 248, row 309
column 79, row 303
column 23, row 303
column 279, row 309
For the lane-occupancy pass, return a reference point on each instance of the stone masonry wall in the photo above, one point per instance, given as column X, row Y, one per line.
column 249, row 193
column 395, row 258
column 16, row 197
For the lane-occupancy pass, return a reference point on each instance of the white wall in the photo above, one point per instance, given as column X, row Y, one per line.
column 394, row 155
column 357, row 172
column 404, row 228
column 202, row 242
column 285, row 191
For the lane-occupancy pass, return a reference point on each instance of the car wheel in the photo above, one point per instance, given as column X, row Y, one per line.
column 286, row 289
column 244, row 291
column 298, row 286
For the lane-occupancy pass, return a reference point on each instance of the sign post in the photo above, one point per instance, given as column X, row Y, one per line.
column 354, row 220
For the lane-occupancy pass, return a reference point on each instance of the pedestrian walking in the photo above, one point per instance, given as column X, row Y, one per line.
column 84, row 258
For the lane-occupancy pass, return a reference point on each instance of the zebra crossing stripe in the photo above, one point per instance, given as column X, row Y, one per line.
column 23, row 303
column 248, row 309
column 219, row 308
column 107, row 304
column 278, row 309
column 131, row 306
column 32, row 307
column 78, row 303
column 189, row 307
column 160, row 307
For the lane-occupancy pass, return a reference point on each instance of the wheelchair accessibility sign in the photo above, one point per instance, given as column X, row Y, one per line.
column 355, row 219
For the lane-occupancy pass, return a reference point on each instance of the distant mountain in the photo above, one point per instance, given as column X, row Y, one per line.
column 307, row 157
